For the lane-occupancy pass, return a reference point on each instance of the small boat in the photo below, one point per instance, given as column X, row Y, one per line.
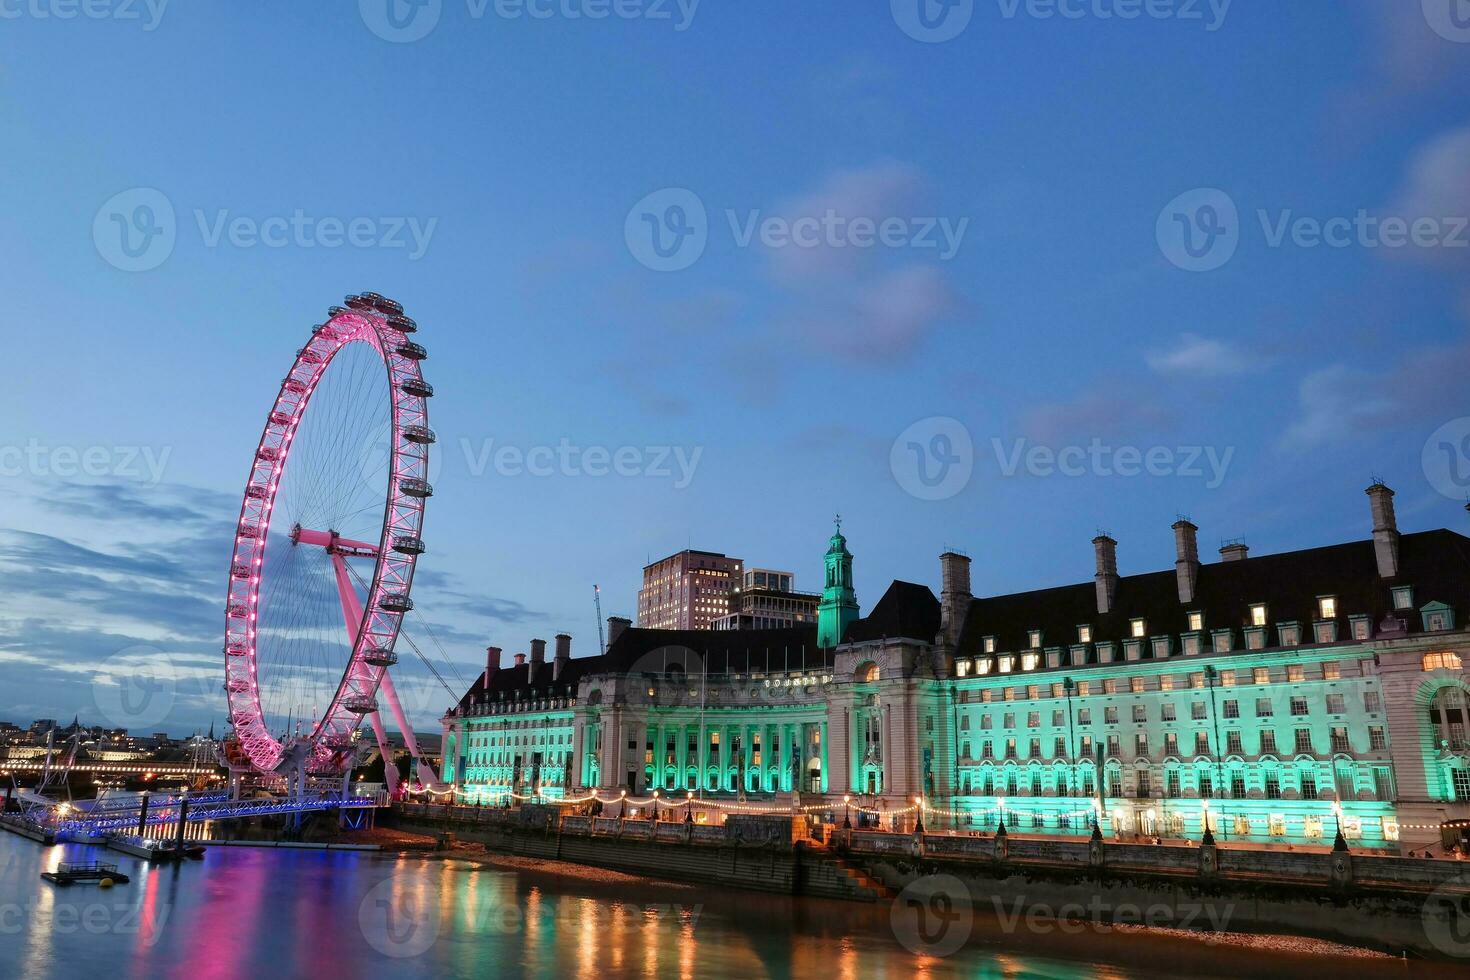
column 105, row 875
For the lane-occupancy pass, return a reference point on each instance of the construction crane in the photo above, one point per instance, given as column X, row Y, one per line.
column 597, row 599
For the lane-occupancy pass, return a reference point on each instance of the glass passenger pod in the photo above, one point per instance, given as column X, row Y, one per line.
column 335, row 311
column 249, row 530
column 412, row 351
column 412, row 486
column 257, row 491
column 239, row 570
column 294, row 387
column 238, row 610
column 379, row 657
column 360, row 704
column 359, row 302
column 386, row 306
column 395, row 602
column 403, row 324
column 236, row 649
column 418, row 387
column 310, row 355
column 281, row 418
column 268, row 453
column 409, row 545
column 420, row 434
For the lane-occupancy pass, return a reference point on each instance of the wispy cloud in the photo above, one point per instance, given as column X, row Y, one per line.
column 1200, row 357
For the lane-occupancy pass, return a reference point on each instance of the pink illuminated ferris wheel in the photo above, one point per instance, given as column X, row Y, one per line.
column 329, row 533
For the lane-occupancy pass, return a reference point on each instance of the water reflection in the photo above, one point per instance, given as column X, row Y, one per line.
column 283, row 913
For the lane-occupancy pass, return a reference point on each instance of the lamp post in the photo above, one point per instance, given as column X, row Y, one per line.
column 846, row 811
column 654, row 806
column 1210, row 674
column 918, row 814
column 689, row 807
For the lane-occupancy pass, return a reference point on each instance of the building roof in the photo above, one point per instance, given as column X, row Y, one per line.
column 657, row 650
column 907, row 609
column 1435, row 563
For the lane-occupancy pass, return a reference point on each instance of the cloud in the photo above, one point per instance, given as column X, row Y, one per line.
column 885, row 190
column 1337, row 403
column 885, row 319
column 1200, row 356
column 1109, row 412
column 1437, row 186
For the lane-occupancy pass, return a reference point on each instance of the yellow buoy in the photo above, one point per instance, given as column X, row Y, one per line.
column 105, row 883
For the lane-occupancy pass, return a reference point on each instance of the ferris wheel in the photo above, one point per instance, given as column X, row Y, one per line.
column 330, row 531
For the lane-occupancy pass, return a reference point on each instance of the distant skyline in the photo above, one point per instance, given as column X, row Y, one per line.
column 993, row 283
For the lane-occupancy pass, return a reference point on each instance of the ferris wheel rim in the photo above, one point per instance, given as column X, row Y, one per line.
column 379, row 323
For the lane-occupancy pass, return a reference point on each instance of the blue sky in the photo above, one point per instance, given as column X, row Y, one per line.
column 527, row 151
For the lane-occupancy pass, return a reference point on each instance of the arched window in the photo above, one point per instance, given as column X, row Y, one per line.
column 1448, row 714
column 866, row 673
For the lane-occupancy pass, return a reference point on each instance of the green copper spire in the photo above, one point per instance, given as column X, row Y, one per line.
column 839, row 603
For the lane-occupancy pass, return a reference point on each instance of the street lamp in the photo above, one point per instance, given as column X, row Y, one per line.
column 654, row 815
column 918, row 814
column 689, row 807
column 846, row 811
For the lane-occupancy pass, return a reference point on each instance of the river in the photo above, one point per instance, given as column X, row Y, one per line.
column 278, row 914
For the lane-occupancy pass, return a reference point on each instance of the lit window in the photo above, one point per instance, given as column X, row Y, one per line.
column 1006, row 663
column 1442, row 660
column 1327, row 607
column 1035, row 639
column 1258, row 614
column 1196, row 621
column 1029, row 661
column 1084, row 634
column 1140, row 627
column 989, row 644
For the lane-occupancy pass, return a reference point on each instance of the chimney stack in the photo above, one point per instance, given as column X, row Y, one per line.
column 1385, row 530
column 1234, row 551
column 615, row 627
column 1106, row 550
column 520, row 660
column 492, row 661
column 954, row 596
column 563, row 654
column 1186, row 562
column 538, row 651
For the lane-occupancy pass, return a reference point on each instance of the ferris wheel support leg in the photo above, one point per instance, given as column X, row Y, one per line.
column 390, row 693
column 390, row 768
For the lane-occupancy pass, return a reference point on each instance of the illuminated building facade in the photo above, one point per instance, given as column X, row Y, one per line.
column 688, row 590
column 767, row 600
column 1276, row 699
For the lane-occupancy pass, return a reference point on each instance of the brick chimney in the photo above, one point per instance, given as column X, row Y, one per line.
column 492, row 662
column 954, row 595
column 1385, row 530
column 520, row 660
column 1234, row 551
column 615, row 627
column 563, row 654
column 1106, row 550
column 538, row 651
column 1186, row 561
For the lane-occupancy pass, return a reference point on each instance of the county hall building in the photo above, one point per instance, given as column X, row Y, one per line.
column 1277, row 698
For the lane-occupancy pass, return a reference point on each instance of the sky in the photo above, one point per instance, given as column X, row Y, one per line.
column 980, row 274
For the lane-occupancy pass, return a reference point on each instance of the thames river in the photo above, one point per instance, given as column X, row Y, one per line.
column 271, row 913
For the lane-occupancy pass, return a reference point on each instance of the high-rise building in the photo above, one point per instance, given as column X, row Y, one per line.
column 688, row 590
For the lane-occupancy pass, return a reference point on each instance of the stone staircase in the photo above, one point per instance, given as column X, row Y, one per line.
column 828, row 874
